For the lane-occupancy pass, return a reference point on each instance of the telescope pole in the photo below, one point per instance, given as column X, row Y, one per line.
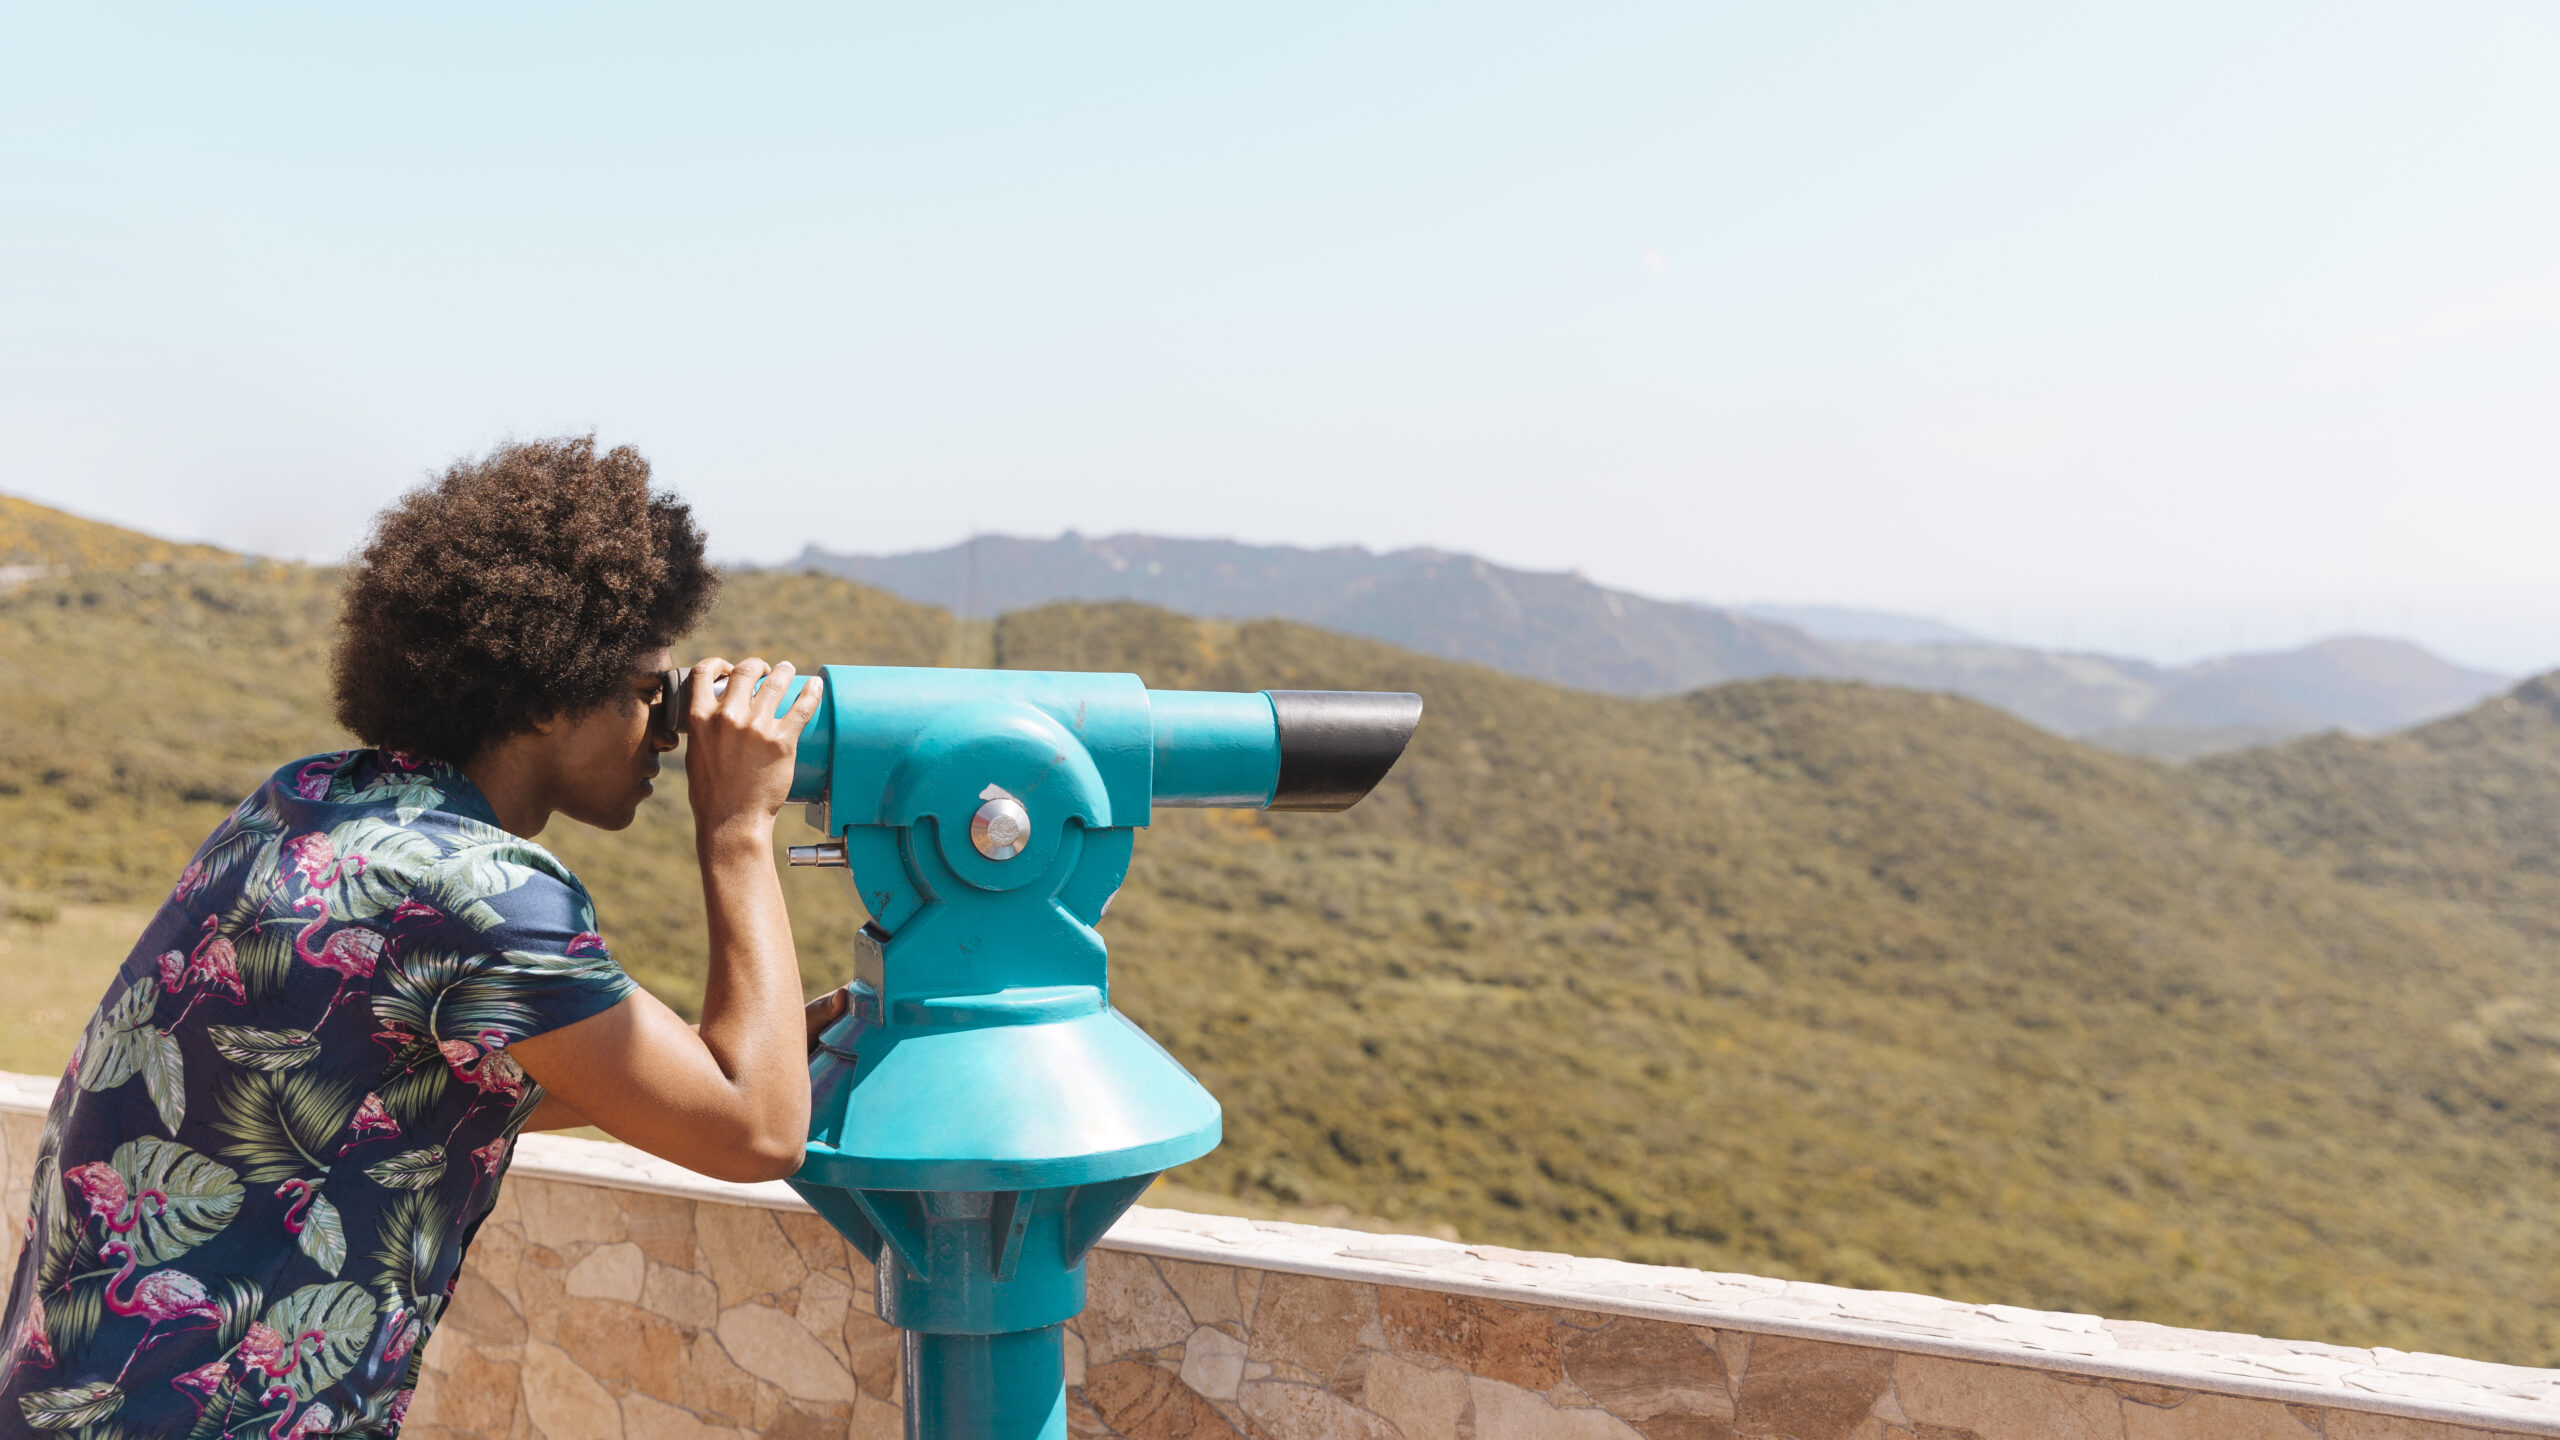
column 1011, row 1386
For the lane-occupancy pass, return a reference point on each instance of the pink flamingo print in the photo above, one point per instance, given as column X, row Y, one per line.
column 317, row 861
column 393, row 1038
column 200, row 1383
column 34, row 1347
column 190, row 880
column 400, row 1406
column 159, row 1297
column 264, row 1350
column 489, row 1157
column 486, row 1067
column 102, row 1190
column 311, row 782
column 372, row 1118
column 213, row 965
column 351, row 953
column 400, row 1332
column 316, row 1418
column 585, row 942
column 415, row 910
column 302, row 1193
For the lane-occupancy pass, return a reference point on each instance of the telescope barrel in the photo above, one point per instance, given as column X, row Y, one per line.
column 1312, row 750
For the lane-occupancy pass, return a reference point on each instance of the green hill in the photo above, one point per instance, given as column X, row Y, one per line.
column 41, row 537
column 1796, row 977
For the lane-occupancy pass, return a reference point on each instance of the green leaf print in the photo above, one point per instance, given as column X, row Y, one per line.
column 219, row 1408
column 58, row 1242
column 280, row 1124
column 113, row 1049
column 416, row 794
column 438, row 995
column 263, row 1049
column 203, row 1197
column 252, row 824
column 266, row 956
column 409, row 1170
column 71, row 1407
column 492, row 862
column 239, row 1300
column 433, row 996
column 341, row 1313
column 413, row 1094
column 164, row 1076
column 323, row 1237
column 413, row 1233
column 379, row 864
column 259, row 886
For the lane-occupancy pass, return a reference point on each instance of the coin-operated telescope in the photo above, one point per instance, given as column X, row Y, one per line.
column 982, row 1114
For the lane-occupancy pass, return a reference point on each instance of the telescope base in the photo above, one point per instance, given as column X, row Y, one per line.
column 1011, row 1386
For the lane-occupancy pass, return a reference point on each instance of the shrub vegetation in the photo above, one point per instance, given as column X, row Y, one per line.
column 1794, row 977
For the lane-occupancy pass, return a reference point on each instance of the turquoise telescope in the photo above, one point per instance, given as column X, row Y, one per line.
column 983, row 1114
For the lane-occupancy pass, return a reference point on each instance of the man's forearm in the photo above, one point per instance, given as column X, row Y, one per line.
column 752, row 1019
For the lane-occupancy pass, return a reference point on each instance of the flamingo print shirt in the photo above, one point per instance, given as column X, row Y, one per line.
column 291, row 1112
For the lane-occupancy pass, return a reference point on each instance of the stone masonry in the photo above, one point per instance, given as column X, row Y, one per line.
column 611, row 1295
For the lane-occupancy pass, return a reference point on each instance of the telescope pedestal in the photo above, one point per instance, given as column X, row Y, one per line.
column 1011, row 1386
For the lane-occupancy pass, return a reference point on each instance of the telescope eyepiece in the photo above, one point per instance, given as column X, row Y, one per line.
column 1336, row 745
column 668, row 711
column 672, row 711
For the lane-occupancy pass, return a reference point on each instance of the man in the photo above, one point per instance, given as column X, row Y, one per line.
column 296, row 1102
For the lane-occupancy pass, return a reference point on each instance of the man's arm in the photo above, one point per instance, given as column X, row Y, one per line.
column 732, row 1099
column 554, row 1113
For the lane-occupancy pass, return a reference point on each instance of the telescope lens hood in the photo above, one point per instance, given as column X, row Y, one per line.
column 1336, row 745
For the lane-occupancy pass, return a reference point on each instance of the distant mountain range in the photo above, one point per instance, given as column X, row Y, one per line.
column 1562, row 628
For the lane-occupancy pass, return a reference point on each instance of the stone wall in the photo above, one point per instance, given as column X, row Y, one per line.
column 612, row 1295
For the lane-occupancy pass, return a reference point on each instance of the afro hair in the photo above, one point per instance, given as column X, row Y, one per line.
column 517, row 587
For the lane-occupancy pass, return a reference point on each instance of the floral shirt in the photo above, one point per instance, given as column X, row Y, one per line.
column 291, row 1111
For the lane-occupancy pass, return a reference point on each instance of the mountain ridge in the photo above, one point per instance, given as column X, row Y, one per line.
column 1562, row 628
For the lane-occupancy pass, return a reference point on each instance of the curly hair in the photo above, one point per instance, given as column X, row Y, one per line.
column 516, row 587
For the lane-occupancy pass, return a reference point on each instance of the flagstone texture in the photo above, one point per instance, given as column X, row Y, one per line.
column 614, row 1297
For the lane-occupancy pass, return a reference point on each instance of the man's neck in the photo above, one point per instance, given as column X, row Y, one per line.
column 512, row 776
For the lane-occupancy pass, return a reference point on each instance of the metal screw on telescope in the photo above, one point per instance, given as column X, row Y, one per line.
column 1001, row 825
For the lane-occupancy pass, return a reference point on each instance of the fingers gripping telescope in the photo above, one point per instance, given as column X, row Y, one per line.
column 982, row 1114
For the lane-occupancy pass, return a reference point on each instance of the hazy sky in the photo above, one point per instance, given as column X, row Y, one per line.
column 2166, row 328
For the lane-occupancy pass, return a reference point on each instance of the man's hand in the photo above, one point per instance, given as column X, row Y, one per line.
column 824, row 1011
column 737, row 763
column 732, row 1099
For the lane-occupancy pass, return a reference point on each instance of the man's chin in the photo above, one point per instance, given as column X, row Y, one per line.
column 612, row 819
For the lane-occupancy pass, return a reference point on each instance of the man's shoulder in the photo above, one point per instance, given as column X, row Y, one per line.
column 377, row 823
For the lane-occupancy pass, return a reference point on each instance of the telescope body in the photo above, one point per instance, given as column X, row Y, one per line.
column 981, row 1115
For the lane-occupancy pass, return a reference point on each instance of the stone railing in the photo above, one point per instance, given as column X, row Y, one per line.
column 612, row 1295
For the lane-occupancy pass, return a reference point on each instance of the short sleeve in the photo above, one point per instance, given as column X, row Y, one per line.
column 544, row 958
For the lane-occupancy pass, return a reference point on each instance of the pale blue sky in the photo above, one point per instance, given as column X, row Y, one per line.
column 2163, row 328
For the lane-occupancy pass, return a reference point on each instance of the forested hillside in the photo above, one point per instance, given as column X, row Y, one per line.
column 1797, row 977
